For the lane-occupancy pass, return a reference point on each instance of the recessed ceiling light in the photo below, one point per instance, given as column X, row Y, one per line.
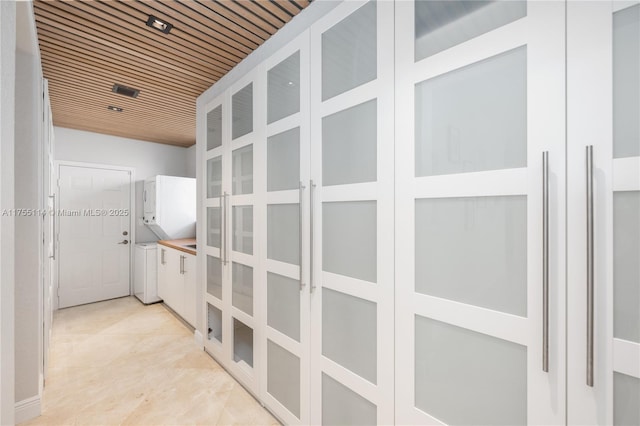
column 159, row 24
column 114, row 108
column 124, row 90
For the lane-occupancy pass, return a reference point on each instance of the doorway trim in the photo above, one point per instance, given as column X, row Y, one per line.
column 132, row 214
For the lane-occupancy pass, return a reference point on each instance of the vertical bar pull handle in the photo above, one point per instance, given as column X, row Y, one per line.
column 226, row 223
column 545, row 261
column 590, row 266
column 300, row 230
column 53, row 230
column 311, row 259
column 221, row 225
column 162, row 257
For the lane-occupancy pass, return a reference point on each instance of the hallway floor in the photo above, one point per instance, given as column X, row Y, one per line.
column 120, row 362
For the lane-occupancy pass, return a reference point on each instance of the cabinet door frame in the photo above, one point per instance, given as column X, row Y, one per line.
column 249, row 377
column 541, row 30
column 216, row 349
column 381, row 293
column 300, row 349
column 590, row 122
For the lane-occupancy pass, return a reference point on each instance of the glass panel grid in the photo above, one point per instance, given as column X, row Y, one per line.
column 349, row 332
column 473, row 250
column 283, row 160
column 242, row 170
column 214, row 321
column 214, row 277
column 468, row 378
column 214, row 128
column 474, row 118
column 242, row 342
column 440, row 25
column 349, row 145
column 242, row 285
column 242, row 112
column 349, row 52
column 242, row 217
column 283, row 89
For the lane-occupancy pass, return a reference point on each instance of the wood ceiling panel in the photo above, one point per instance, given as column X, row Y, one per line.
column 88, row 45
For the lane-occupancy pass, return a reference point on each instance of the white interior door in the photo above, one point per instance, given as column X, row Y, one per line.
column 351, row 203
column 479, row 98
column 604, row 212
column 95, row 231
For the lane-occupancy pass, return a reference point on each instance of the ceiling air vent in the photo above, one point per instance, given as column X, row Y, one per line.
column 124, row 90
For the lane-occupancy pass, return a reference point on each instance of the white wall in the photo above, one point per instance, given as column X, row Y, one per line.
column 191, row 161
column 148, row 158
column 28, row 229
column 7, row 77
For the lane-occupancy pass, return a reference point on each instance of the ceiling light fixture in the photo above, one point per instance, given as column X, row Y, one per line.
column 159, row 24
column 124, row 90
column 114, row 108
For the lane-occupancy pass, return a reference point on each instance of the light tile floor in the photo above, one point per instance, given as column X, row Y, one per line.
column 120, row 362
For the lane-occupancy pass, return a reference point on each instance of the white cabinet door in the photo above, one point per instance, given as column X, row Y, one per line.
column 479, row 98
column 189, row 277
column 285, row 245
column 351, row 204
column 213, row 236
column 603, row 60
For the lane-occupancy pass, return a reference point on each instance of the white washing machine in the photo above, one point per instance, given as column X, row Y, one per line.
column 145, row 282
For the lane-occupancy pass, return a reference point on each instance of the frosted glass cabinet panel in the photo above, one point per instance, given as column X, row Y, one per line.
column 242, row 343
column 626, row 265
column 473, row 250
column 214, row 177
column 242, row 287
column 242, row 169
column 349, row 332
column 283, row 89
column 349, row 52
column 465, row 378
column 283, row 305
column 213, row 226
column 214, row 277
column 626, row 394
column 283, row 233
column 440, row 25
column 214, row 128
column 474, row 118
column 349, row 145
column 342, row 406
column 283, row 380
column 214, row 323
column 242, row 231
column 242, row 112
column 283, row 160
column 626, row 82
column 349, row 231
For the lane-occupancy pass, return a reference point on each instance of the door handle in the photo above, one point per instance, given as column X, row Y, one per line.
column 124, row 242
column 162, row 257
column 181, row 265
column 301, row 230
column 53, row 218
column 590, row 266
column 545, row 261
column 311, row 208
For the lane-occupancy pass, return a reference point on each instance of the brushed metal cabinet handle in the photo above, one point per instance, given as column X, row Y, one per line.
column 300, row 230
column 162, row 257
column 545, row 261
column 590, row 266
column 53, row 237
column 226, row 223
column 311, row 235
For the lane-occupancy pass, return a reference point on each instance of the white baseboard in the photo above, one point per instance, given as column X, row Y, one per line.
column 28, row 409
column 197, row 336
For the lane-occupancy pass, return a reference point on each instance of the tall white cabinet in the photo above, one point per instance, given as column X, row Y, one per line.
column 428, row 212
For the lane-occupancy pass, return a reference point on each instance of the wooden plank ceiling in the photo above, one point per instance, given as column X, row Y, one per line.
column 88, row 46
